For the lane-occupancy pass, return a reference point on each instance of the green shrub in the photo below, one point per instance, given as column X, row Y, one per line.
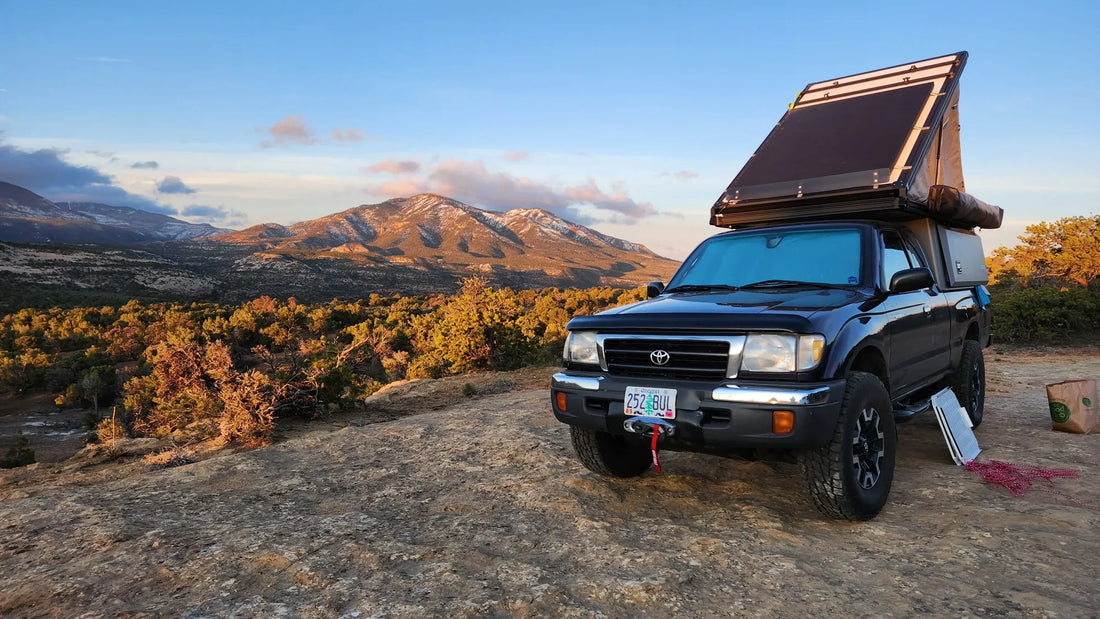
column 1044, row 315
column 18, row 453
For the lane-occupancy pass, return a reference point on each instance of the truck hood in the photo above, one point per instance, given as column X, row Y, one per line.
column 778, row 308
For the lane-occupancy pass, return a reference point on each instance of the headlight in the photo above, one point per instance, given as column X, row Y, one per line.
column 774, row 352
column 810, row 350
column 580, row 347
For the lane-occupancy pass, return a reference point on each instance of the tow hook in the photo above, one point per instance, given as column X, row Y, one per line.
column 647, row 425
column 653, row 426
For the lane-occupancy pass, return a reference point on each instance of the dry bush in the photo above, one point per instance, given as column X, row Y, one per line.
column 248, row 413
column 178, row 455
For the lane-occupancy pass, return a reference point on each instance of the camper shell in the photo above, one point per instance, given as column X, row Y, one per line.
column 880, row 145
column 848, row 291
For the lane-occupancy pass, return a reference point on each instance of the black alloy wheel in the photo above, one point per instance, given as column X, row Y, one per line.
column 868, row 448
column 850, row 476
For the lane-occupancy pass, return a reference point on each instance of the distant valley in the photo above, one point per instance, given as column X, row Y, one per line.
column 59, row 253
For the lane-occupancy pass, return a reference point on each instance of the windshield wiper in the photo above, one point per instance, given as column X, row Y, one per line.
column 784, row 283
column 701, row 287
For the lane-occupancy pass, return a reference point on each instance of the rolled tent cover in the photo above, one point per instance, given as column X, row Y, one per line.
column 962, row 210
column 868, row 145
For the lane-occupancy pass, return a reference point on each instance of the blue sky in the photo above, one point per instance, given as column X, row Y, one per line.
column 629, row 117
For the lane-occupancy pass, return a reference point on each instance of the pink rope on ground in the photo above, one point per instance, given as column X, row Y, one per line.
column 1016, row 478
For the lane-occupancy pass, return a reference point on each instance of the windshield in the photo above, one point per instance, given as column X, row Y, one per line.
column 829, row 256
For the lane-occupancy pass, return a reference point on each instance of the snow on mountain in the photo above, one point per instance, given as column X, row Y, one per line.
column 28, row 217
column 438, row 232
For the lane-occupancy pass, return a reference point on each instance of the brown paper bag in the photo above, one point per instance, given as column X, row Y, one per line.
column 1073, row 406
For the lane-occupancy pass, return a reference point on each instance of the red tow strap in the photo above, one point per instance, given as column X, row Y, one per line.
column 653, row 448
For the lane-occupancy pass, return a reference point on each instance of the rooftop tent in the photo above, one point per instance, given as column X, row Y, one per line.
column 883, row 144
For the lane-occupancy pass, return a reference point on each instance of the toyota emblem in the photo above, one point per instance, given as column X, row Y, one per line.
column 659, row 357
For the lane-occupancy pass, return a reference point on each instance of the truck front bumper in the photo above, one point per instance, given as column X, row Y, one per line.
column 731, row 414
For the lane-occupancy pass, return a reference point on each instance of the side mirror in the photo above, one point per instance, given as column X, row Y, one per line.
column 653, row 289
column 911, row 279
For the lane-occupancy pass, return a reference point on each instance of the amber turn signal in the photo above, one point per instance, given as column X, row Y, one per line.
column 559, row 399
column 782, row 422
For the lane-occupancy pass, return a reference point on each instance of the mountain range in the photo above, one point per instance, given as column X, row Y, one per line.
column 429, row 230
column 29, row 218
column 421, row 244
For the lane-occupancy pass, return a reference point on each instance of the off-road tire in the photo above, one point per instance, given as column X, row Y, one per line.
column 968, row 381
column 610, row 455
column 850, row 477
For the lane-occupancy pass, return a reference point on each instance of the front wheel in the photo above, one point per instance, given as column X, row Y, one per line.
column 610, row 455
column 850, row 477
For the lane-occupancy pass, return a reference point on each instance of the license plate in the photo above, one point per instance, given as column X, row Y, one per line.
column 650, row 402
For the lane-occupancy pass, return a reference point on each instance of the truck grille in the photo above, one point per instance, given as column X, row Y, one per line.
column 689, row 359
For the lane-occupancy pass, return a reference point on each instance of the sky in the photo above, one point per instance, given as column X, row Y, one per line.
column 629, row 117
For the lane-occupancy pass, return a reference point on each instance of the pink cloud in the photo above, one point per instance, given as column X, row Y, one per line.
column 290, row 130
column 392, row 166
column 473, row 182
column 400, row 187
column 294, row 130
column 515, row 155
column 350, row 135
column 618, row 201
column 682, row 175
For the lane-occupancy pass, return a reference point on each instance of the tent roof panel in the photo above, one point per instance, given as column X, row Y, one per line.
column 858, row 138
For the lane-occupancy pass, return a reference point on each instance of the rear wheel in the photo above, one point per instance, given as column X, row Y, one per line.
column 968, row 381
column 850, row 477
column 610, row 455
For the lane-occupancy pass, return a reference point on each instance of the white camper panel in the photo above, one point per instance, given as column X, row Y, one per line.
column 962, row 251
column 955, row 256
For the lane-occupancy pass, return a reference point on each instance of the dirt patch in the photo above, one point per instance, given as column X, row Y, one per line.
column 478, row 507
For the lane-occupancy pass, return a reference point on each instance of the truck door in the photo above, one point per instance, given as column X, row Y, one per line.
column 940, row 320
column 917, row 331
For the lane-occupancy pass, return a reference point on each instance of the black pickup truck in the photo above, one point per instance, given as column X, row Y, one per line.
column 816, row 339
column 842, row 300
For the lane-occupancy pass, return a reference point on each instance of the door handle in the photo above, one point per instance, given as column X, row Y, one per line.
column 928, row 310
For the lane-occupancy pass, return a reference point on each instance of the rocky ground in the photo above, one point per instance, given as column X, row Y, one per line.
column 475, row 506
